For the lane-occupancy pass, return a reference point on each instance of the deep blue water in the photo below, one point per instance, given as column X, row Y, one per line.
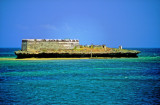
column 124, row 81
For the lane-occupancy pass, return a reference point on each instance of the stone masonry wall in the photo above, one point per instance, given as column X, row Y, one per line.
column 48, row 44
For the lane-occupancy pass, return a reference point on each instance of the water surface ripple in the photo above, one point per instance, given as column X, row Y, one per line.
column 125, row 81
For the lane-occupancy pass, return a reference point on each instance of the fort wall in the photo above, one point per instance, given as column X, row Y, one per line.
column 48, row 44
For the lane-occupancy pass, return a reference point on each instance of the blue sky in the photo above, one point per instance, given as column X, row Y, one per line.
column 130, row 23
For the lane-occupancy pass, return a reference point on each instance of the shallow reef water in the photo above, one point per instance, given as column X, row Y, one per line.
column 122, row 81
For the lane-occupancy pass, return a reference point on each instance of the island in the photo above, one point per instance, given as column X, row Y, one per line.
column 69, row 48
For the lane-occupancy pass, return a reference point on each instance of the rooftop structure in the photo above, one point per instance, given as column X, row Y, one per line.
column 52, row 40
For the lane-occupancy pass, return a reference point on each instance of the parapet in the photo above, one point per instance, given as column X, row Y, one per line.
column 50, row 40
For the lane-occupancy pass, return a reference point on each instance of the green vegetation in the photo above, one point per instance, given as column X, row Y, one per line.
column 75, row 47
column 81, row 46
column 82, row 49
column 91, row 46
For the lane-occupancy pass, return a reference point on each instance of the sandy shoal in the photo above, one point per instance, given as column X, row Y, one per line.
column 41, row 58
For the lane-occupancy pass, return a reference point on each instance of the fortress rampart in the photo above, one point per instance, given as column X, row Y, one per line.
column 48, row 44
column 67, row 48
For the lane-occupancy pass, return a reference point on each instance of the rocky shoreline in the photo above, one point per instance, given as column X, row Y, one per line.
column 78, row 53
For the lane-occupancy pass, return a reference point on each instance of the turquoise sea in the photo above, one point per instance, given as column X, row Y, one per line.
column 122, row 81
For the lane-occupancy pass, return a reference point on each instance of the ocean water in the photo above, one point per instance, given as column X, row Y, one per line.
column 122, row 81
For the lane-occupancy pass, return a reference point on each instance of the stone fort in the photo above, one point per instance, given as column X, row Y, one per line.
column 51, row 44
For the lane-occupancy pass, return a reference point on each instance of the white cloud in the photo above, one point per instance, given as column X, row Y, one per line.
column 67, row 27
column 49, row 27
column 22, row 27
